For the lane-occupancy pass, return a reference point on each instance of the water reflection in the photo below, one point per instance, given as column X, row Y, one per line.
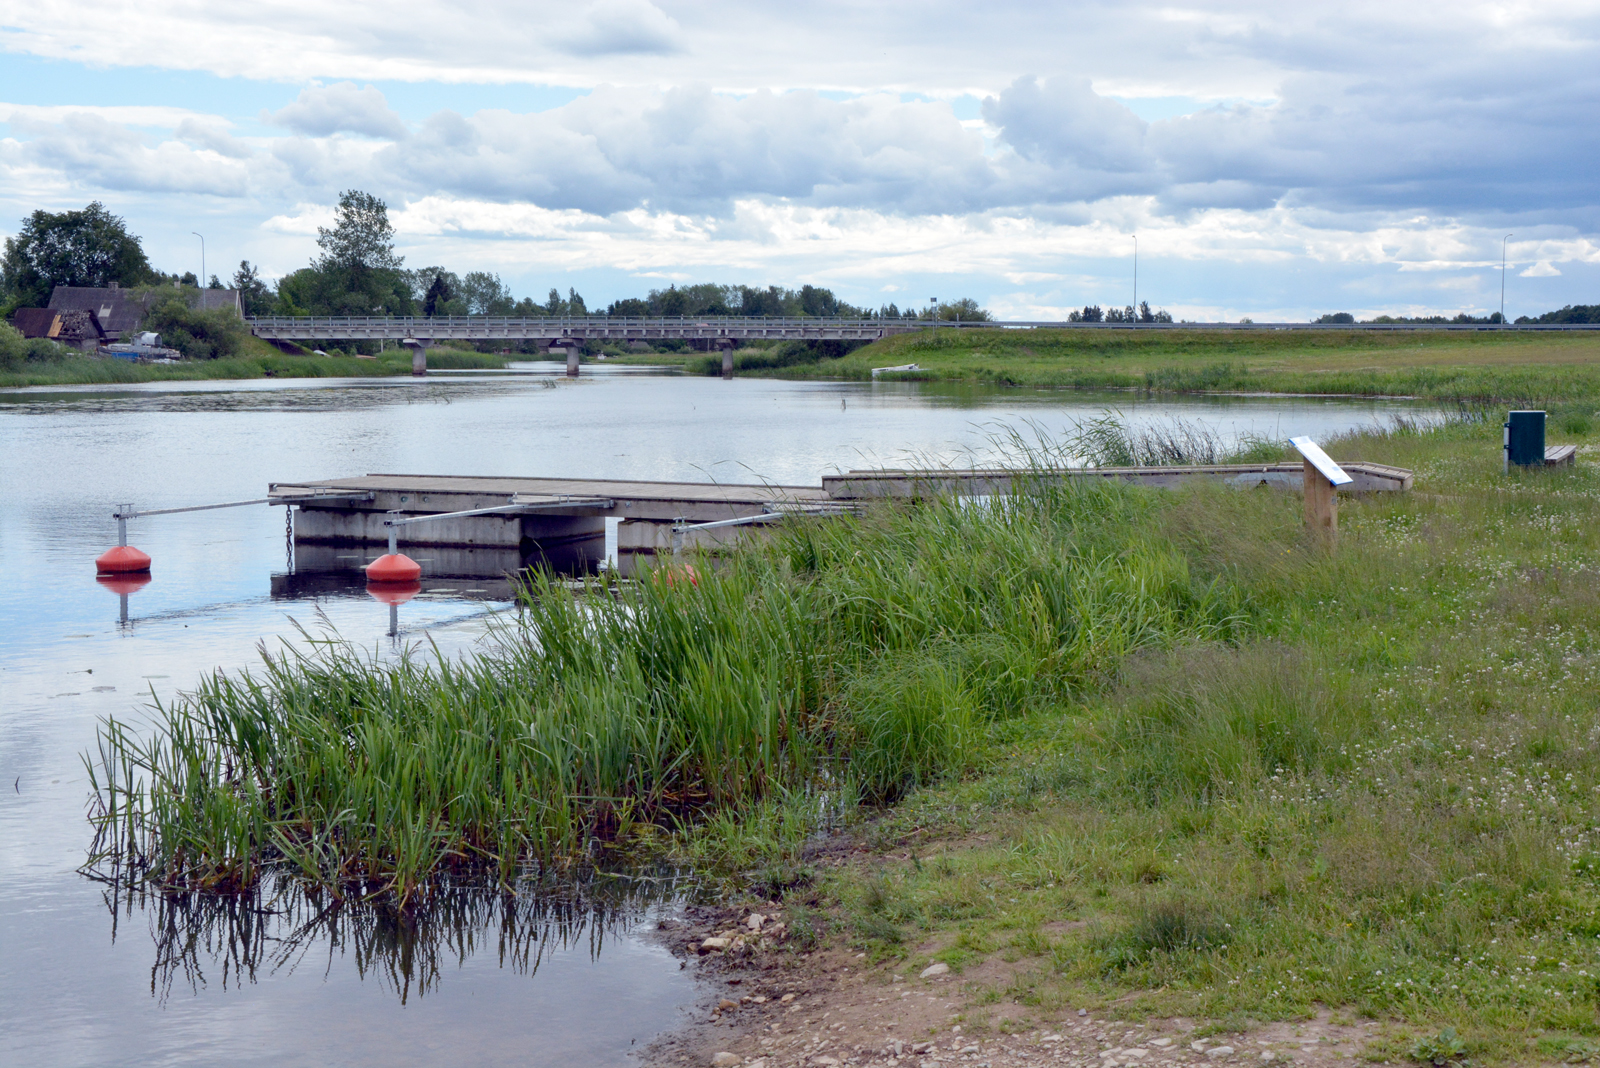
column 123, row 585
column 282, row 927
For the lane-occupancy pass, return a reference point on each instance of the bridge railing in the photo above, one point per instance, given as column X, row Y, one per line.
column 580, row 322
column 490, row 326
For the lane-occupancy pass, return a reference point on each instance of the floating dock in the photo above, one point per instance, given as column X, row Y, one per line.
column 495, row 524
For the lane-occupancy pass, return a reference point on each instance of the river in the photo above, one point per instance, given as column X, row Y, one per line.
column 86, row 979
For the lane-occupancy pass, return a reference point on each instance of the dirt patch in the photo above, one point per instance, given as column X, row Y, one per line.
column 769, row 1001
column 768, row 1006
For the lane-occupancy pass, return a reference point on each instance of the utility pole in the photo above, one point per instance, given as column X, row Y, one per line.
column 1136, row 277
column 201, row 236
column 1503, row 241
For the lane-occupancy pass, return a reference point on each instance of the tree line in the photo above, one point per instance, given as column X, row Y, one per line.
column 1092, row 313
column 358, row 272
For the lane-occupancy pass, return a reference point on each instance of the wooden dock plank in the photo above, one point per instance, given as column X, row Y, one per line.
column 498, row 486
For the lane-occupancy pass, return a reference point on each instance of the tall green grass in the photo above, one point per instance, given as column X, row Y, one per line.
column 860, row 656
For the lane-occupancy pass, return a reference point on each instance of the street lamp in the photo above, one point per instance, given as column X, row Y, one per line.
column 201, row 236
column 1503, row 241
column 1136, row 277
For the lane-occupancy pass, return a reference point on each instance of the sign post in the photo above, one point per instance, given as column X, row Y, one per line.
column 1322, row 477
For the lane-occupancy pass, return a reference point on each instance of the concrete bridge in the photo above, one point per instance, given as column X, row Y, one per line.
column 580, row 328
column 566, row 334
column 733, row 329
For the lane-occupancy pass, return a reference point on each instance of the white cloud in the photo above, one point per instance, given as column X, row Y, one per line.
column 89, row 152
column 620, row 28
column 340, row 108
column 1383, row 138
column 163, row 118
column 211, row 134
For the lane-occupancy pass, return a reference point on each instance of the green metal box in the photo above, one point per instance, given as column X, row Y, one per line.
column 1525, row 439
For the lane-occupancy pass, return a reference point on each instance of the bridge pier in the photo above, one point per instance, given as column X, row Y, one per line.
column 573, row 347
column 726, row 345
column 419, row 354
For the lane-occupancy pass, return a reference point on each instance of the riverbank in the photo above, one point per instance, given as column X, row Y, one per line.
column 1152, row 756
column 1472, row 367
column 1361, row 831
column 260, row 360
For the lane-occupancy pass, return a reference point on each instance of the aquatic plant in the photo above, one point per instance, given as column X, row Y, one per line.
column 866, row 654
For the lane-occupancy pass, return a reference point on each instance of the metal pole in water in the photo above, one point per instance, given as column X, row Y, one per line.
column 122, row 523
column 123, row 618
column 394, row 620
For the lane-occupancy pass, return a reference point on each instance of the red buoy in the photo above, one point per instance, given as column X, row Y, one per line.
column 394, row 592
column 394, row 567
column 121, row 559
column 675, row 573
column 124, row 582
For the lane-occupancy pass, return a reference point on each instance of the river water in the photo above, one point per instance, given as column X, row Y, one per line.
column 566, row 978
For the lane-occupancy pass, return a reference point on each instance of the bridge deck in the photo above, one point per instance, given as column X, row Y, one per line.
column 619, row 328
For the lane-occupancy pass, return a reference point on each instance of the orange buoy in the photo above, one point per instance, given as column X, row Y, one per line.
column 124, row 582
column 685, row 572
column 394, row 567
column 393, row 593
column 122, row 559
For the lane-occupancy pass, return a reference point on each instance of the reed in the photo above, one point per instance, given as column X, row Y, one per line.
column 862, row 656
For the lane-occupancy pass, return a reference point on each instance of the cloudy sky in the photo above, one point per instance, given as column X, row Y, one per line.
column 1272, row 160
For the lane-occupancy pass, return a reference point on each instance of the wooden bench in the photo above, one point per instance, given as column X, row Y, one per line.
column 1558, row 455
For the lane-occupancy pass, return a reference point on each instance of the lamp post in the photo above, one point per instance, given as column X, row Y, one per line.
column 1135, row 277
column 1503, row 241
column 201, row 236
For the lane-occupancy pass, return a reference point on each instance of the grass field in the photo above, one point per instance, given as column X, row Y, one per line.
column 1161, row 751
column 260, row 360
column 1478, row 366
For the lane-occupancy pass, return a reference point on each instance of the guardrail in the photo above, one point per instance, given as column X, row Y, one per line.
column 495, row 328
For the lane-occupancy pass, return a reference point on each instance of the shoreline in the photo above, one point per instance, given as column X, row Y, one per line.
column 109, row 371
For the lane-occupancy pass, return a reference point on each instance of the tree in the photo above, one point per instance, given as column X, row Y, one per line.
column 1570, row 313
column 360, row 274
column 253, row 293
column 91, row 247
column 1335, row 318
column 816, row 301
column 362, row 238
column 630, row 307
column 672, row 302
column 575, row 305
column 438, row 293
column 965, row 310
column 199, row 335
column 485, row 294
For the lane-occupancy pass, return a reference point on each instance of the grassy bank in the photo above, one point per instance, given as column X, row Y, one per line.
column 1487, row 366
column 1158, row 750
column 1383, row 800
column 259, row 360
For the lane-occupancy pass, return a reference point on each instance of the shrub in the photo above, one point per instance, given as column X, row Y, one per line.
column 15, row 350
column 199, row 335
